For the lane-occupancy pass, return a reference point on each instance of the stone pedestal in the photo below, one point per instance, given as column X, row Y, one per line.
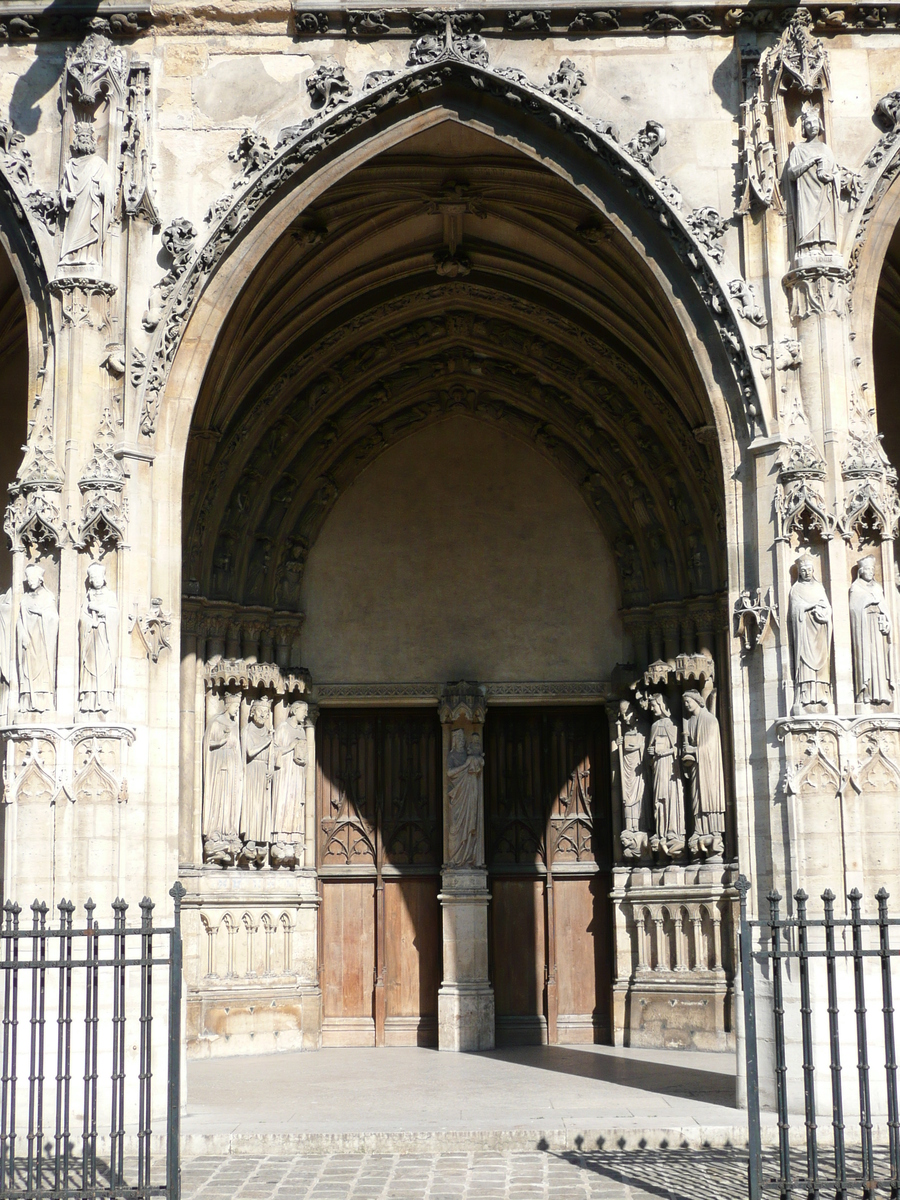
column 466, row 998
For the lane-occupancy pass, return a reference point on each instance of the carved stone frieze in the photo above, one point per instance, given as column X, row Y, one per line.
column 84, row 301
column 830, row 757
column 816, row 291
column 81, row 764
column 369, row 22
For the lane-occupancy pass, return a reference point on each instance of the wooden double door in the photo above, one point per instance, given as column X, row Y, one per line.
column 547, row 834
column 378, row 792
column 549, row 842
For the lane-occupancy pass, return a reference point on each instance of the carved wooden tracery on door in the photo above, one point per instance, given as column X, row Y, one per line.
column 548, row 848
column 379, row 831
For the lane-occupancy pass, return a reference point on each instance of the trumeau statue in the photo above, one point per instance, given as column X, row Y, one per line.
column 289, row 785
column 815, row 179
column 668, row 796
column 809, row 621
column 465, row 764
column 84, row 196
column 870, row 632
column 256, row 809
column 37, row 634
column 629, row 749
column 98, row 632
column 704, row 772
column 223, row 773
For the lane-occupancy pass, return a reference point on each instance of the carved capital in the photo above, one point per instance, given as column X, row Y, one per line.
column 817, row 291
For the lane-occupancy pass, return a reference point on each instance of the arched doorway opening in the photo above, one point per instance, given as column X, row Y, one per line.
column 450, row 430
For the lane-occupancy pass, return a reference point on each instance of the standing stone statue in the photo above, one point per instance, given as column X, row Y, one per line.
column 223, row 772
column 668, row 795
column 809, row 621
column 37, row 634
column 84, row 196
column 870, row 633
column 5, row 648
column 815, row 181
column 701, row 758
column 465, row 764
column 629, row 749
column 256, row 810
column 289, row 786
column 98, row 633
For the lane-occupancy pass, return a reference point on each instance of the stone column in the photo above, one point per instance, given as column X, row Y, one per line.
column 466, row 998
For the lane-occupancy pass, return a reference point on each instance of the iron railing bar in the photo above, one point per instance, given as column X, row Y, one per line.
column 890, row 1048
column 13, row 1052
column 784, row 1149
column 36, row 1070
column 117, row 1107
column 862, row 1048
column 837, row 1100
column 748, row 988
column 144, row 1075
column 809, row 1072
column 173, row 1127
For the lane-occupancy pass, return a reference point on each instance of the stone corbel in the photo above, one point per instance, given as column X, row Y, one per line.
column 152, row 628
column 754, row 617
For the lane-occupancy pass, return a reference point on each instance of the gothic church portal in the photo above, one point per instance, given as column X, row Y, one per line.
column 454, row 535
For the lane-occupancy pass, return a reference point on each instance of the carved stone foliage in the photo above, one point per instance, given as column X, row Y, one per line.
column 252, row 152
column 565, row 82
column 460, row 54
column 254, row 769
column 328, row 85
column 94, row 70
column 646, row 143
column 153, row 627
column 709, row 229
column 82, row 764
column 178, row 240
column 14, row 155
column 667, row 763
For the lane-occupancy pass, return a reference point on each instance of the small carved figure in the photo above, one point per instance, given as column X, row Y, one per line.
column 98, row 630
column 84, row 196
column 256, row 812
column 289, row 786
column 668, row 794
column 701, row 757
column 870, row 632
column 222, row 783
column 815, row 190
column 809, row 620
column 37, row 634
column 629, row 747
column 465, row 764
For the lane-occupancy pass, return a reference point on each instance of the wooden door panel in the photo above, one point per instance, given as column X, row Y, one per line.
column 413, row 960
column 518, row 952
column 348, row 958
column 583, row 967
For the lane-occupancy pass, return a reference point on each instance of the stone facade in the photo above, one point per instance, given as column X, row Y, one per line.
column 358, row 352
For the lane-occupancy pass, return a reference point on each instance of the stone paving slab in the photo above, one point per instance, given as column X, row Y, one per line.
column 673, row 1174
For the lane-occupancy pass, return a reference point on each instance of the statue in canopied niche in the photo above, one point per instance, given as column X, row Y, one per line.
column 814, row 187
column 628, row 748
column 701, row 757
column 223, row 774
column 84, row 197
column 256, row 809
column 668, row 794
column 810, row 625
column 98, row 635
column 465, row 764
column 37, row 636
column 870, row 633
column 289, row 787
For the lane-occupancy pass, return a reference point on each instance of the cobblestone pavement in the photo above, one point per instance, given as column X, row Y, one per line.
column 675, row 1174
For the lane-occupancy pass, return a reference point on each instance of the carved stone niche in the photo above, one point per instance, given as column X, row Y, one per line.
column 674, row 957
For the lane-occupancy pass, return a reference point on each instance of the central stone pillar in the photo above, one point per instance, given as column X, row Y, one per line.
column 466, row 998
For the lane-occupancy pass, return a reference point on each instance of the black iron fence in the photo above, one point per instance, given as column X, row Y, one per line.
column 84, row 1046
column 809, row 963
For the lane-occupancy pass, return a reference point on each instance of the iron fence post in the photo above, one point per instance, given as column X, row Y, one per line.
column 754, row 1137
column 173, row 1131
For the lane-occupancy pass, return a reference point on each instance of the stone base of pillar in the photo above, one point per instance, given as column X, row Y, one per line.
column 466, row 1017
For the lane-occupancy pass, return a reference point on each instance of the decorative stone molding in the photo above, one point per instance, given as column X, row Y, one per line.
column 328, row 85
column 799, row 498
column 827, row 757
column 94, row 70
column 33, row 515
column 302, row 144
column 83, row 764
column 104, row 509
column 800, row 60
column 252, row 152
column 137, row 182
column 817, row 291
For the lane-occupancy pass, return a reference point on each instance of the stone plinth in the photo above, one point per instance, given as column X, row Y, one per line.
column 466, row 998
